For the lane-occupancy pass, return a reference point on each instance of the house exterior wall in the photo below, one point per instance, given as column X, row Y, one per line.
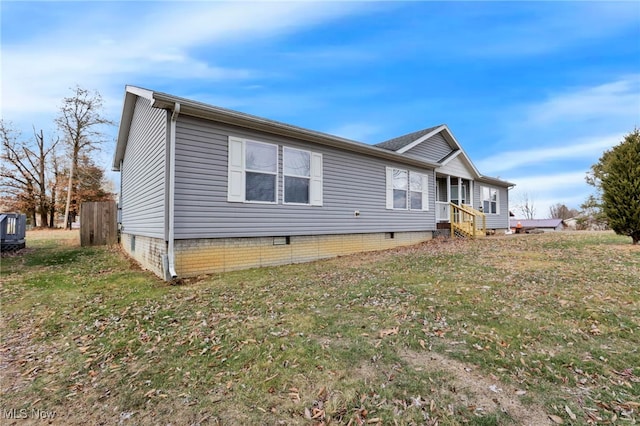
column 147, row 251
column 351, row 182
column 206, row 256
column 433, row 149
column 142, row 198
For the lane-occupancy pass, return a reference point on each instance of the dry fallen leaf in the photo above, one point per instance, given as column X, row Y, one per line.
column 570, row 413
column 556, row 419
column 389, row 332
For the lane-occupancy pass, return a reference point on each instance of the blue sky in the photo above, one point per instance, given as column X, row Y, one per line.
column 534, row 92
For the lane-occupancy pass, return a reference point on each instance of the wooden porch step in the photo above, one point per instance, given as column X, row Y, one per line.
column 466, row 230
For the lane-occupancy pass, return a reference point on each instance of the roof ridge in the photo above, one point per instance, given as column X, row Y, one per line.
column 399, row 142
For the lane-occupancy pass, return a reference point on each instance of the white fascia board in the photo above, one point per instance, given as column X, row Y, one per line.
column 129, row 104
column 421, row 139
column 462, row 152
column 139, row 91
column 496, row 181
column 451, row 157
column 131, row 94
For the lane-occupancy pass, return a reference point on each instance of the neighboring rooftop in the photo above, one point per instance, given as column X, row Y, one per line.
column 404, row 140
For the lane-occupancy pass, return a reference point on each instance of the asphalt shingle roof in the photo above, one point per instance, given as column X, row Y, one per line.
column 404, row 140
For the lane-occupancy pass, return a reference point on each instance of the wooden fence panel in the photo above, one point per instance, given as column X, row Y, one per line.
column 98, row 223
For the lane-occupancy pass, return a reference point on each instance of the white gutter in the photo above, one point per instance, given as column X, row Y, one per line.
column 172, row 186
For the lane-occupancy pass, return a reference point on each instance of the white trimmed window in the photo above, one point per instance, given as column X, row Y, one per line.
column 297, row 175
column 418, row 187
column 302, row 177
column 490, row 200
column 407, row 190
column 253, row 171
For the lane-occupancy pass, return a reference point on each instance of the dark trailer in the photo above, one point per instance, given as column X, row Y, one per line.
column 12, row 231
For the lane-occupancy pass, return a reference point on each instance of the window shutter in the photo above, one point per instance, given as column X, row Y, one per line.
column 235, row 184
column 315, row 187
column 389, row 188
column 425, row 192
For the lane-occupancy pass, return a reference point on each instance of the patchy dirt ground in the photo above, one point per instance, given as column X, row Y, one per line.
column 481, row 393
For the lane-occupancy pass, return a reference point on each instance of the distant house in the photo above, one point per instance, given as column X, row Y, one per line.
column 206, row 189
column 546, row 225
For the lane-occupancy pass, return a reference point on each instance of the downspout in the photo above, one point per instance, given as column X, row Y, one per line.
column 172, row 186
column 119, row 212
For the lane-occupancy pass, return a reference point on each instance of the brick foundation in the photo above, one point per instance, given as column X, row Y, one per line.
column 206, row 256
column 146, row 251
column 213, row 255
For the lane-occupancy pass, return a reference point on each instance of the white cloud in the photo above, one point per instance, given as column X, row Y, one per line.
column 555, row 181
column 543, row 191
column 580, row 148
column 620, row 98
column 37, row 73
column 573, row 126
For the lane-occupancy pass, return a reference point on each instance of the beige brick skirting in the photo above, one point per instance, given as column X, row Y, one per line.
column 146, row 251
column 205, row 256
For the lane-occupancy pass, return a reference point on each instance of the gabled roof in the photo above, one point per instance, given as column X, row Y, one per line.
column 201, row 110
column 383, row 150
column 400, row 142
column 404, row 143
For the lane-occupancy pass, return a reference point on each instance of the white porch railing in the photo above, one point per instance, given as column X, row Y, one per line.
column 442, row 211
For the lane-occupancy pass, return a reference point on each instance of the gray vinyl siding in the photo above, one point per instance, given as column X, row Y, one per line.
column 494, row 221
column 433, row 149
column 143, row 172
column 350, row 182
column 457, row 168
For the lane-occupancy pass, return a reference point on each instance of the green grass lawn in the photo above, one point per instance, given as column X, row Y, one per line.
column 532, row 329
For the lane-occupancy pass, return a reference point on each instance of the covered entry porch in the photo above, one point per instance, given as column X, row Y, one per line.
column 454, row 207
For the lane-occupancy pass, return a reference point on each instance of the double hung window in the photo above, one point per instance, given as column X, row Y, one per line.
column 400, row 185
column 417, row 189
column 297, row 175
column 490, row 203
column 261, row 169
column 407, row 190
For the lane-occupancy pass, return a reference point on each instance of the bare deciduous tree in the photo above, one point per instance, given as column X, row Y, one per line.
column 24, row 172
column 561, row 211
column 526, row 206
column 80, row 121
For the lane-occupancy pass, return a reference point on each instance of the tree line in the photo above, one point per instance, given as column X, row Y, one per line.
column 616, row 202
column 47, row 177
column 616, row 177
